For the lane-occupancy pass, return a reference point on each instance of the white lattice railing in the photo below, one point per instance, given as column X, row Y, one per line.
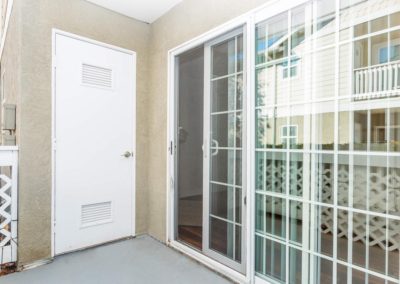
column 379, row 81
column 8, row 204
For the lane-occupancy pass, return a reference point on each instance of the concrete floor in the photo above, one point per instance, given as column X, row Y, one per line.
column 141, row 260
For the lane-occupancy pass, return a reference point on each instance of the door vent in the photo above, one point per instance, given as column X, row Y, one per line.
column 96, row 76
column 95, row 214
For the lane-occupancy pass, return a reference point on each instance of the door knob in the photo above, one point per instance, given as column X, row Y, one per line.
column 127, row 154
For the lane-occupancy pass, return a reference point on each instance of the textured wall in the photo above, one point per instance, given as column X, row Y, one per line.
column 10, row 62
column 85, row 19
column 28, row 52
column 185, row 21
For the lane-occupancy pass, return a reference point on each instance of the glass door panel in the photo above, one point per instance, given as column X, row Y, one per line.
column 223, row 197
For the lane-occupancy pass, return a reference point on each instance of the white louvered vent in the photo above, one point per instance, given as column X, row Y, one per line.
column 94, row 214
column 96, row 76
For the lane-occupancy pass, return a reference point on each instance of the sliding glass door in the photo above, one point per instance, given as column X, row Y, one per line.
column 223, row 154
column 326, row 157
column 323, row 157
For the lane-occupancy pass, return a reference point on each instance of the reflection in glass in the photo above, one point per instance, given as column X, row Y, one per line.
column 360, row 182
column 270, row 258
column 223, row 58
column 342, row 234
column 323, row 270
column 377, row 246
column 395, row 19
column 295, row 266
column 222, row 201
column 344, row 131
column 360, row 130
column 394, row 248
column 379, row 24
column 269, row 128
column 324, row 173
column 271, row 44
column 359, row 239
column 361, row 29
column 227, row 94
column 394, row 130
column 324, row 118
column 271, row 216
column 222, row 237
column 295, row 222
column 377, row 184
column 227, row 129
column 296, row 132
column 271, row 171
column 322, row 230
column 361, row 53
column 378, row 130
column 324, row 73
column 379, row 54
column 343, row 180
column 298, row 28
column 296, row 176
column 226, row 166
column 394, row 50
column 325, row 20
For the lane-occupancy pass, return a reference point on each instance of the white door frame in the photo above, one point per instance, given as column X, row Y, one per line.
column 206, row 153
column 248, row 20
column 246, row 23
column 56, row 32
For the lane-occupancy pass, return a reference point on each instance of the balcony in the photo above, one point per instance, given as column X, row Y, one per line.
column 376, row 82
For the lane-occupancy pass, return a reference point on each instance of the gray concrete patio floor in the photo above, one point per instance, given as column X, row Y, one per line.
column 140, row 260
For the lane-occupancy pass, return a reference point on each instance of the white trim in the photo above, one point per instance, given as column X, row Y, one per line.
column 210, row 263
column 248, row 20
column 56, row 32
column 10, row 5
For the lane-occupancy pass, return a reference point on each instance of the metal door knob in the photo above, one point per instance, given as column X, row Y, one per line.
column 127, row 154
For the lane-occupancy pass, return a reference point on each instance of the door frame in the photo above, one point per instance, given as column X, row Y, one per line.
column 241, row 267
column 55, row 33
column 248, row 21
column 244, row 22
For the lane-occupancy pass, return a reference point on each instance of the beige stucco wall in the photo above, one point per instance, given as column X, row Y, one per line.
column 85, row 19
column 184, row 22
column 28, row 55
column 10, row 62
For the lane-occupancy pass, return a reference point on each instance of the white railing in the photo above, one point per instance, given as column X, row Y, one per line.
column 8, row 204
column 379, row 81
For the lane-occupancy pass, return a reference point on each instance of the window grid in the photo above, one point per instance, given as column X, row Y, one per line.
column 286, row 151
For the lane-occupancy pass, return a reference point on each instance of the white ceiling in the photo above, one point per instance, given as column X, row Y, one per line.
column 144, row 10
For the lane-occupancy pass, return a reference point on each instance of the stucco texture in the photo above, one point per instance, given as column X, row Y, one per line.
column 28, row 56
column 185, row 21
column 88, row 20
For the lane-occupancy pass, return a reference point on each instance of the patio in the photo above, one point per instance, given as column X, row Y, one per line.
column 140, row 260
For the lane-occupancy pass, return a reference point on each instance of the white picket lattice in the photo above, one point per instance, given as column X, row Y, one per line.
column 8, row 204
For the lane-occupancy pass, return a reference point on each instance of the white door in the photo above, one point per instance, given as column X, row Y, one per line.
column 94, row 135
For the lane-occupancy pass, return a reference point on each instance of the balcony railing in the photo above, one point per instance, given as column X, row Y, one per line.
column 379, row 81
column 8, row 204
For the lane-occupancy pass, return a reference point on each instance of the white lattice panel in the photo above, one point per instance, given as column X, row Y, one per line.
column 383, row 196
column 8, row 204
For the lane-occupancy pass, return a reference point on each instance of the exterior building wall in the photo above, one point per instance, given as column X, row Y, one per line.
column 35, row 117
column 10, row 70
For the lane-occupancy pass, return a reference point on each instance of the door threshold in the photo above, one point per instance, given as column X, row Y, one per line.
column 210, row 263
